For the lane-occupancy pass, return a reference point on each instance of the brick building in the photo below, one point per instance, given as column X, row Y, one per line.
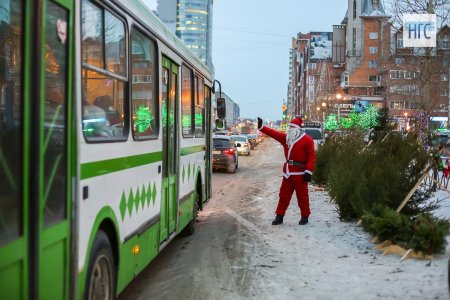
column 369, row 65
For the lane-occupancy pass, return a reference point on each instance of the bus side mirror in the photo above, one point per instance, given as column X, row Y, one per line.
column 220, row 124
column 221, row 110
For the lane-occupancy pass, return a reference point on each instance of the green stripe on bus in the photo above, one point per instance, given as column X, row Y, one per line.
column 190, row 150
column 97, row 168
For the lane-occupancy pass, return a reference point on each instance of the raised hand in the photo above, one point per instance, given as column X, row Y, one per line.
column 260, row 121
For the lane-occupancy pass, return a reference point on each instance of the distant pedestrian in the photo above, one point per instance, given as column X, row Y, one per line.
column 297, row 170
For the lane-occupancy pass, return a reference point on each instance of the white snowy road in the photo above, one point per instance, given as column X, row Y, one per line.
column 237, row 254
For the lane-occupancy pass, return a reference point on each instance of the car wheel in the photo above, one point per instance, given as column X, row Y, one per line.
column 232, row 168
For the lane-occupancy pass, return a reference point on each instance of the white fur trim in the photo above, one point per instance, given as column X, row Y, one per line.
column 308, row 171
column 293, row 173
column 259, row 128
column 294, row 125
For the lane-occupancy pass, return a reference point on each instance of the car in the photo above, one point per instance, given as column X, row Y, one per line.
column 223, row 132
column 316, row 134
column 256, row 138
column 251, row 140
column 224, row 154
column 242, row 144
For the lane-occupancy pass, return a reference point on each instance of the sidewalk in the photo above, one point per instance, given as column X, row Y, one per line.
column 330, row 259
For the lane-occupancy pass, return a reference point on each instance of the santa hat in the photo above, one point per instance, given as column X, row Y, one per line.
column 296, row 122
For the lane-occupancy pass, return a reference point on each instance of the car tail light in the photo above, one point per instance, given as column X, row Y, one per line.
column 228, row 151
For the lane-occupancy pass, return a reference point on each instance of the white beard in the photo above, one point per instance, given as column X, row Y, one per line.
column 293, row 135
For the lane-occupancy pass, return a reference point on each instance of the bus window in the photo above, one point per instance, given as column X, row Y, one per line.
column 200, row 108
column 55, row 171
column 144, row 94
column 11, row 57
column 103, row 91
column 186, row 101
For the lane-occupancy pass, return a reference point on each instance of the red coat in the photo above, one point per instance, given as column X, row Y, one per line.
column 301, row 151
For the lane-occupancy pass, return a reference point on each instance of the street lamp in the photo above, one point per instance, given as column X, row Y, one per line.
column 323, row 114
column 338, row 97
column 406, row 121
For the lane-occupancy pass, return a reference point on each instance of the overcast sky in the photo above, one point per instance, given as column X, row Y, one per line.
column 251, row 41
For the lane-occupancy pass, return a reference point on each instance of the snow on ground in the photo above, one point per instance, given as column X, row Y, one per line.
column 330, row 259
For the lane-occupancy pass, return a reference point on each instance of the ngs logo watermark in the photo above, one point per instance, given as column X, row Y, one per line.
column 419, row 30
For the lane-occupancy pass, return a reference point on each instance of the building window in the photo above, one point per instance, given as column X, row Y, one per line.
column 445, row 43
column 399, row 60
column 373, row 64
column 373, row 35
column 373, row 50
column 403, row 74
column 375, row 78
column 405, row 89
column 444, row 92
column 399, row 41
column 444, row 77
column 354, row 39
column 312, row 66
column 354, row 9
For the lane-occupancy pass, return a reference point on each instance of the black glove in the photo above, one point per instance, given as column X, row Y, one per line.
column 307, row 177
column 259, row 122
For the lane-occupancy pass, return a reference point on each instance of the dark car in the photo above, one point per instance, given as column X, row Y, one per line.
column 225, row 154
column 251, row 140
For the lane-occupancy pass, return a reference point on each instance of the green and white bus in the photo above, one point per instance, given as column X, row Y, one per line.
column 105, row 126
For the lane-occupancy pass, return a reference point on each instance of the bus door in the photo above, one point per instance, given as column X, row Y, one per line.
column 208, row 136
column 169, row 107
column 35, row 168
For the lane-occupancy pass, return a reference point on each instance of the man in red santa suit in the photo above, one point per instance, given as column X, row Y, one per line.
column 297, row 170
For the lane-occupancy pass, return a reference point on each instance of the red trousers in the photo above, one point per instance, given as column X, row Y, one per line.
column 294, row 182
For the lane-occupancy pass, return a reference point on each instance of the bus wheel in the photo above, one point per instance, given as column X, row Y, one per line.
column 100, row 283
column 448, row 275
column 190, row 228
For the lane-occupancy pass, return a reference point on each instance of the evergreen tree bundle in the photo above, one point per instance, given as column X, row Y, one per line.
column 396, row 165
column 383, row 173
column 429, row 234
column 325, row 155
column 346, row 180
column 387, row 224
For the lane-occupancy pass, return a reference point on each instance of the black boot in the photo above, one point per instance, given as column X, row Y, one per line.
column 278, row 220
column 303, row 221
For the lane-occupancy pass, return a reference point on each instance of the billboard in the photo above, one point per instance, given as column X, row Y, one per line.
column 321, row 46
column 419, row 30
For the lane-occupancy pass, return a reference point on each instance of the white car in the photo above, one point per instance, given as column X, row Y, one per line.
column 242, row 144
column 317, row 136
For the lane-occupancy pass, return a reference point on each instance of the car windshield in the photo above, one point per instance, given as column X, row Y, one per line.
column 221, row 143
column 314, row 133
column 240, row 138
